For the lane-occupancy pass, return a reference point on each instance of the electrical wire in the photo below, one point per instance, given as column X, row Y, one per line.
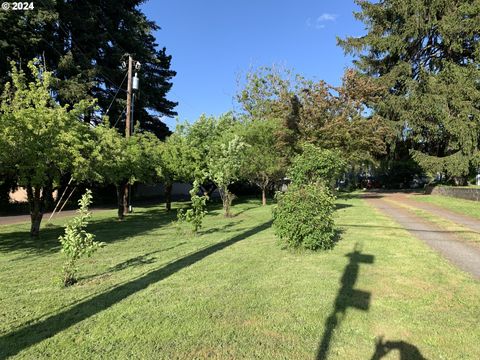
column 116, row 122
column 115, row 96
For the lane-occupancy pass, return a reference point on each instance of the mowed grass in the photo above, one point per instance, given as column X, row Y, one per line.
column 461, row 206
column 233, row 293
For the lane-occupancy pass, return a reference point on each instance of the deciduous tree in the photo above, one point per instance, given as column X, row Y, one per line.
column 40, row 139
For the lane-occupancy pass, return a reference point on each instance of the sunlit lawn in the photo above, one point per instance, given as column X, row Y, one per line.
column 461, row 206
column 233, row 293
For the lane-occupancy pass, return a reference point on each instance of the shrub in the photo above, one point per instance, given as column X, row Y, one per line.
column 77, row 242
column 303, row 217
column 197, row 212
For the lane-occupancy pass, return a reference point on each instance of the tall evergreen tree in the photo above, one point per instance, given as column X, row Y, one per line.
column 83, row 43
column 426, row 53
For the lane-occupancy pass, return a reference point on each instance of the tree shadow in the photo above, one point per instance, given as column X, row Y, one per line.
column 18, row 340
column 342, row 206
column 347, row 297
column 131, row 263
column 223, row 228
column 407, row 351
column 106, row 230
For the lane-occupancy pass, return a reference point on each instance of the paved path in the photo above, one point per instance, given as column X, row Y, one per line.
column 462, row 254
column 17, row 219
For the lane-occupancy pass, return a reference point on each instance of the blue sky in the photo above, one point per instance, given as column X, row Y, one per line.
column 213, row 42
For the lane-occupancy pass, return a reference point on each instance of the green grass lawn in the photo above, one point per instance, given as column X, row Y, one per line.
column 233, row 293
column 461, row 206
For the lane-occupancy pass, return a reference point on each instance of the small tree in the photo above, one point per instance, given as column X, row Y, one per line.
column 264, row 163
column 77, row 242
column 176, row 164
column 303, row 217
column 197, row 212
column 224, row 167
column 121, row 161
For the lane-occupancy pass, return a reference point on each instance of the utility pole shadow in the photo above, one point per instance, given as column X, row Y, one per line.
column 347, row 297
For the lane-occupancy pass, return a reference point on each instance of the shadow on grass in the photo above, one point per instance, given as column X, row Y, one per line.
column 106, row 230
column 407, row 351
column 131, row 263
column 223, row 228
column 18, row 340
column 342, row 206
column 347, row 297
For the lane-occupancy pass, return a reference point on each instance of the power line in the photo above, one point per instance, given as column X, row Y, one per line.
column 111, row 103
column 116, row 122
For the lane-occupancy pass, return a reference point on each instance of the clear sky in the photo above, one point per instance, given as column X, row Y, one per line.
column 212, row 42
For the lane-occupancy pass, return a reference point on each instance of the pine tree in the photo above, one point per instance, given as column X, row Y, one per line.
column 426, row 53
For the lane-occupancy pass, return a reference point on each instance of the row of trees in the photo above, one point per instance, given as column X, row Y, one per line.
column 83, row 45
column 42, row 141
column 281, row 115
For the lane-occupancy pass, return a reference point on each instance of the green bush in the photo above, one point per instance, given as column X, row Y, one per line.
column 77, row 242
column 303, row 217
column 194, row 216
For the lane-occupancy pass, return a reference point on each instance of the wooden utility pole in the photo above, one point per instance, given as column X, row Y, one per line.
column 127, row 128
column 129, row 97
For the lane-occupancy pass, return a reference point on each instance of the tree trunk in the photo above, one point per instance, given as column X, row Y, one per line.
column 37, row 203
column 264, row 196
column 227, row 198
column 47, row 194
column 168, row 196
column 126, row 195
column 120, row 198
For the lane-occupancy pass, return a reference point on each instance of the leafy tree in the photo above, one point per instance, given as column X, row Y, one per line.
column 175, row 167
column 315, row 112
column 122, row 161
column 426, row 54
column 77, row 242
column 335, row 118
column 272, row 93
column 192, row 146
column 39, row 138
column 264, row 164
column 225, row 165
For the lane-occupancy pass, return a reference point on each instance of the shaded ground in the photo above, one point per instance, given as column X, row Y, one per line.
column 447, row 243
